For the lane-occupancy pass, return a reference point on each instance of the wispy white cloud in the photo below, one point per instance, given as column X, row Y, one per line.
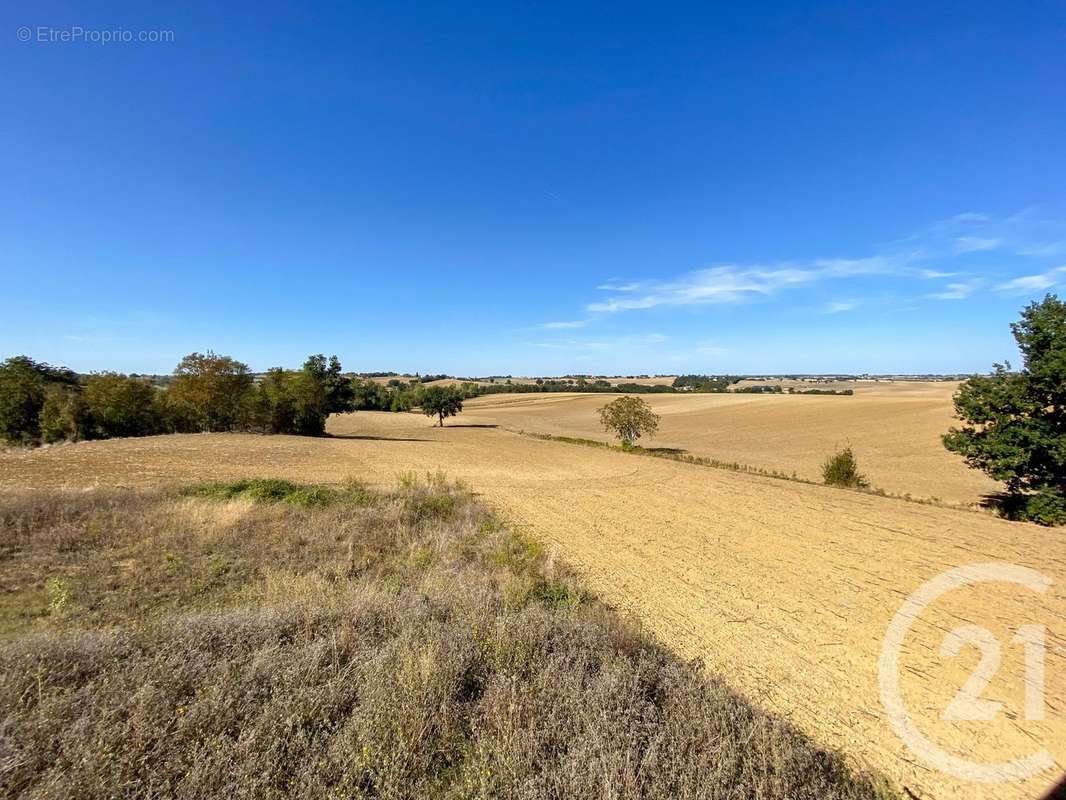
column 1045, row 249
column 853, row 267
column 604, row 343
column 840, row 306
column 563, row 325
column 727, row 284
column 736, row 283
column 934, row 274
column 975, row 244
column 1034, row 283
column 91, row 339
column 957, row 291
column 940, row 251
column 711, row 349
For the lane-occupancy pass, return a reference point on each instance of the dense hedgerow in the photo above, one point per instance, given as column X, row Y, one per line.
column 225, row 641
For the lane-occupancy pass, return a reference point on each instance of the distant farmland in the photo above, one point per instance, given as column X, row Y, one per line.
column 894, row 428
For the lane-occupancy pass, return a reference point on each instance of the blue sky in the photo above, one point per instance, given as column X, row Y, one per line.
column 532, row 187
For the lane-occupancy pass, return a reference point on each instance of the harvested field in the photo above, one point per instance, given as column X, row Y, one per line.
column 894, row 429
column 785, row 589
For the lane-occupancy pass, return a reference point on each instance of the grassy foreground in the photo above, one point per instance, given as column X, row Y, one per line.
column 263, row 639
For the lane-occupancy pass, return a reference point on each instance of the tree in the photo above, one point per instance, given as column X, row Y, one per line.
column 22, row 394
column 338, row 393
column 371, row 396
column 64, row 415
column 1015, row 422
column 629, row 418
column 318, row 390
column 121, row 406
column 441, row 401
column 210, row 392
column 276, row 397
column 300, row 401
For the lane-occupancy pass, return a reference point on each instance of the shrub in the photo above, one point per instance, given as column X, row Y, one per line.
column 842, row 469
column 1046, row 507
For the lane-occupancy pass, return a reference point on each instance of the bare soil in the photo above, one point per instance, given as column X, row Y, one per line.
column 894, row 429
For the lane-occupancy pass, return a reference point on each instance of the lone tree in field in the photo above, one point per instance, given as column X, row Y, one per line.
column 629, row 418
column 1015, row 422
column 441, row 402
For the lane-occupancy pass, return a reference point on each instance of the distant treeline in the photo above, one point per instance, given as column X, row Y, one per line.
column 705, row 383
column 774, row 389
column 41, row 403
column 572, row 385
column 843, row 392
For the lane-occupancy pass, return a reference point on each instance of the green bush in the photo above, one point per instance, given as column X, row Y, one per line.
column 842, row 469
column 1046, row 507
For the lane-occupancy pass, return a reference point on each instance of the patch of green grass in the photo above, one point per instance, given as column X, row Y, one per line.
column 276, row 490
column 430, row 506
column 517, row 553
column 557, row 594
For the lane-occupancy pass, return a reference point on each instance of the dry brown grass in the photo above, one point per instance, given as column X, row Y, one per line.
column 397, row 645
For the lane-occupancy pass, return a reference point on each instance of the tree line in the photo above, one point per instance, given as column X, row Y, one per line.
column 207, row 392
column 40, row 403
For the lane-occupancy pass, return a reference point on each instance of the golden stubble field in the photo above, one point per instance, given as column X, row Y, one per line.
column 786, row 589
column 894, row 429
